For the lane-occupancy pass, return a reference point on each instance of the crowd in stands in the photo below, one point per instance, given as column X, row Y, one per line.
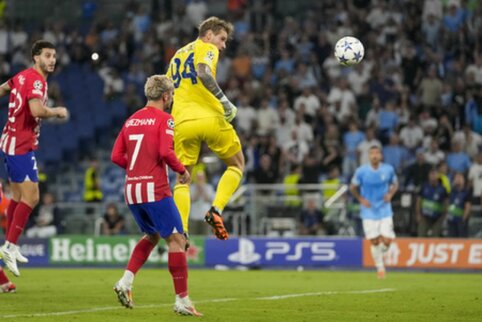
column 417, row 92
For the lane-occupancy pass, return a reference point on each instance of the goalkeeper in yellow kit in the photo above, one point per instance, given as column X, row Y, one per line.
column 203, row 114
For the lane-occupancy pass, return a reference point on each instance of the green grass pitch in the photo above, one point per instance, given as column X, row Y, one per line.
column 266, row 295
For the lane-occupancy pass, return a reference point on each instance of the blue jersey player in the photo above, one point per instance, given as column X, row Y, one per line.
column 374, row 185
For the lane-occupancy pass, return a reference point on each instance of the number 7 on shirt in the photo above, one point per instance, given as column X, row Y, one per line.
column 138, row 138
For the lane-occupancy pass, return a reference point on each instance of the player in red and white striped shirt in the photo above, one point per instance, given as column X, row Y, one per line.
column 144, row 148
column 28, row 95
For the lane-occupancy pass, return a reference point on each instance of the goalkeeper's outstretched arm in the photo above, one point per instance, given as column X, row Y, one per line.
column 206, row 76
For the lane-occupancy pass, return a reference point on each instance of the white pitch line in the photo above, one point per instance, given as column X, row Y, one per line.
column 150, row 306
column 282, row 297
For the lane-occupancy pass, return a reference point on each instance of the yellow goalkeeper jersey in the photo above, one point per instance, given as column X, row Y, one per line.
column 191, row 99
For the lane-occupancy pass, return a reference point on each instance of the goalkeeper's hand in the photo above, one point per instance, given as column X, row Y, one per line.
column 230, row 111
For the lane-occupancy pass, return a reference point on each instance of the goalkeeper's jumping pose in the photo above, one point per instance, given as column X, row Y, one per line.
column 203, row 114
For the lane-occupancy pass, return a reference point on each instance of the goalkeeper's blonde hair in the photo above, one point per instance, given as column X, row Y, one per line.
column 156, row 86
column 215, row 25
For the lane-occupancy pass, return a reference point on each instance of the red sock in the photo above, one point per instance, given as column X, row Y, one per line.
column 140, row 254
column 10, row 211
column 20, row 218
column 177, row 264
column 3, row 278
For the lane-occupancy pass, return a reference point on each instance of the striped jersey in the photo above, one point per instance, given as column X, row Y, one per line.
column 144, row 148
column 21, row 132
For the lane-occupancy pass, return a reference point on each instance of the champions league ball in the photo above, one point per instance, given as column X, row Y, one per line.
column 349, row 51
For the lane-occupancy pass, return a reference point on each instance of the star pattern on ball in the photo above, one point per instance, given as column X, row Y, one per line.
column 343, row 60
column 357, row 56
column 347, row 45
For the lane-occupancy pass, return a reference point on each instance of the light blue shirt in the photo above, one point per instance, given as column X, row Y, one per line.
column 373, row 186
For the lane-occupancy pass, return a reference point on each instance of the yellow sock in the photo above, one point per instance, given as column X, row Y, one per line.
column 227, row 185
column 182, row 198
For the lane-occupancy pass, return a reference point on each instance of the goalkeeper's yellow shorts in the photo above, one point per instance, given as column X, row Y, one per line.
column 218, row 134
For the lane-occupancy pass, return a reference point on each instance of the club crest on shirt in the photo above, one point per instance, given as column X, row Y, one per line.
column 21, row 79
column 210, row 55
column 37, row 84
column 170, row 123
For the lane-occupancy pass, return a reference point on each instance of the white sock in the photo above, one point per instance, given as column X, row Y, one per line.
column 384, row 248
column 377, row 256
column 128, row 278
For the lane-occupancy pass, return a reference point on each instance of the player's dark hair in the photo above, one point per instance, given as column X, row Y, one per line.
column 215, row 25
column 39, row 45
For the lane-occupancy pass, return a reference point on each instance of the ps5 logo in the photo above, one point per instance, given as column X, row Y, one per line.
column 283, row 250
column 319, row 251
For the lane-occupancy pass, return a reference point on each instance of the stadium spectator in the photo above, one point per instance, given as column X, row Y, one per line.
column 434, row 155
column 265, row 174
column 131, row 98
column 291, row 191
column 46, row 221
column 473, row 108
column 469, row 140
column 395, row 154
column 457, row 160
column 246, row 118
column 411, row 135
column 475, row 68
column 196, row 12
column 454, row 17
column 387, row 122
column 92, row 190
column 342, row 100
column 459, row 208
column 364, row 147
column 113, row 223
column 303, row 129
column 373, row 116
column 417, row 173
column 311, row 218
column 202, row 195
column 475, row 178
column 267, row 118
column 351, row 140
column 295, row 149
column 431, row 28
column 430, row 89
column 431, row 206
column 312, row 165
column 443, row 174
column 309, row 101
column 444, row 133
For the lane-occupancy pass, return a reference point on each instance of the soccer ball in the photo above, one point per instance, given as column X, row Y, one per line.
column 349, row 51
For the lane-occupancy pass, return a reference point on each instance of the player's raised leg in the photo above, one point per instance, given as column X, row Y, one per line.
column 227, row 185
column 140, row 254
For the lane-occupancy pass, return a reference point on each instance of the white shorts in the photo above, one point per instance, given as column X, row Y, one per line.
column 382, row 227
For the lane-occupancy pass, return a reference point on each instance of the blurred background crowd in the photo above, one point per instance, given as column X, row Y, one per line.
column 302, row 117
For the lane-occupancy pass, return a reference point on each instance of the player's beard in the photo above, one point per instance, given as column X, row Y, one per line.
column 46, row 69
